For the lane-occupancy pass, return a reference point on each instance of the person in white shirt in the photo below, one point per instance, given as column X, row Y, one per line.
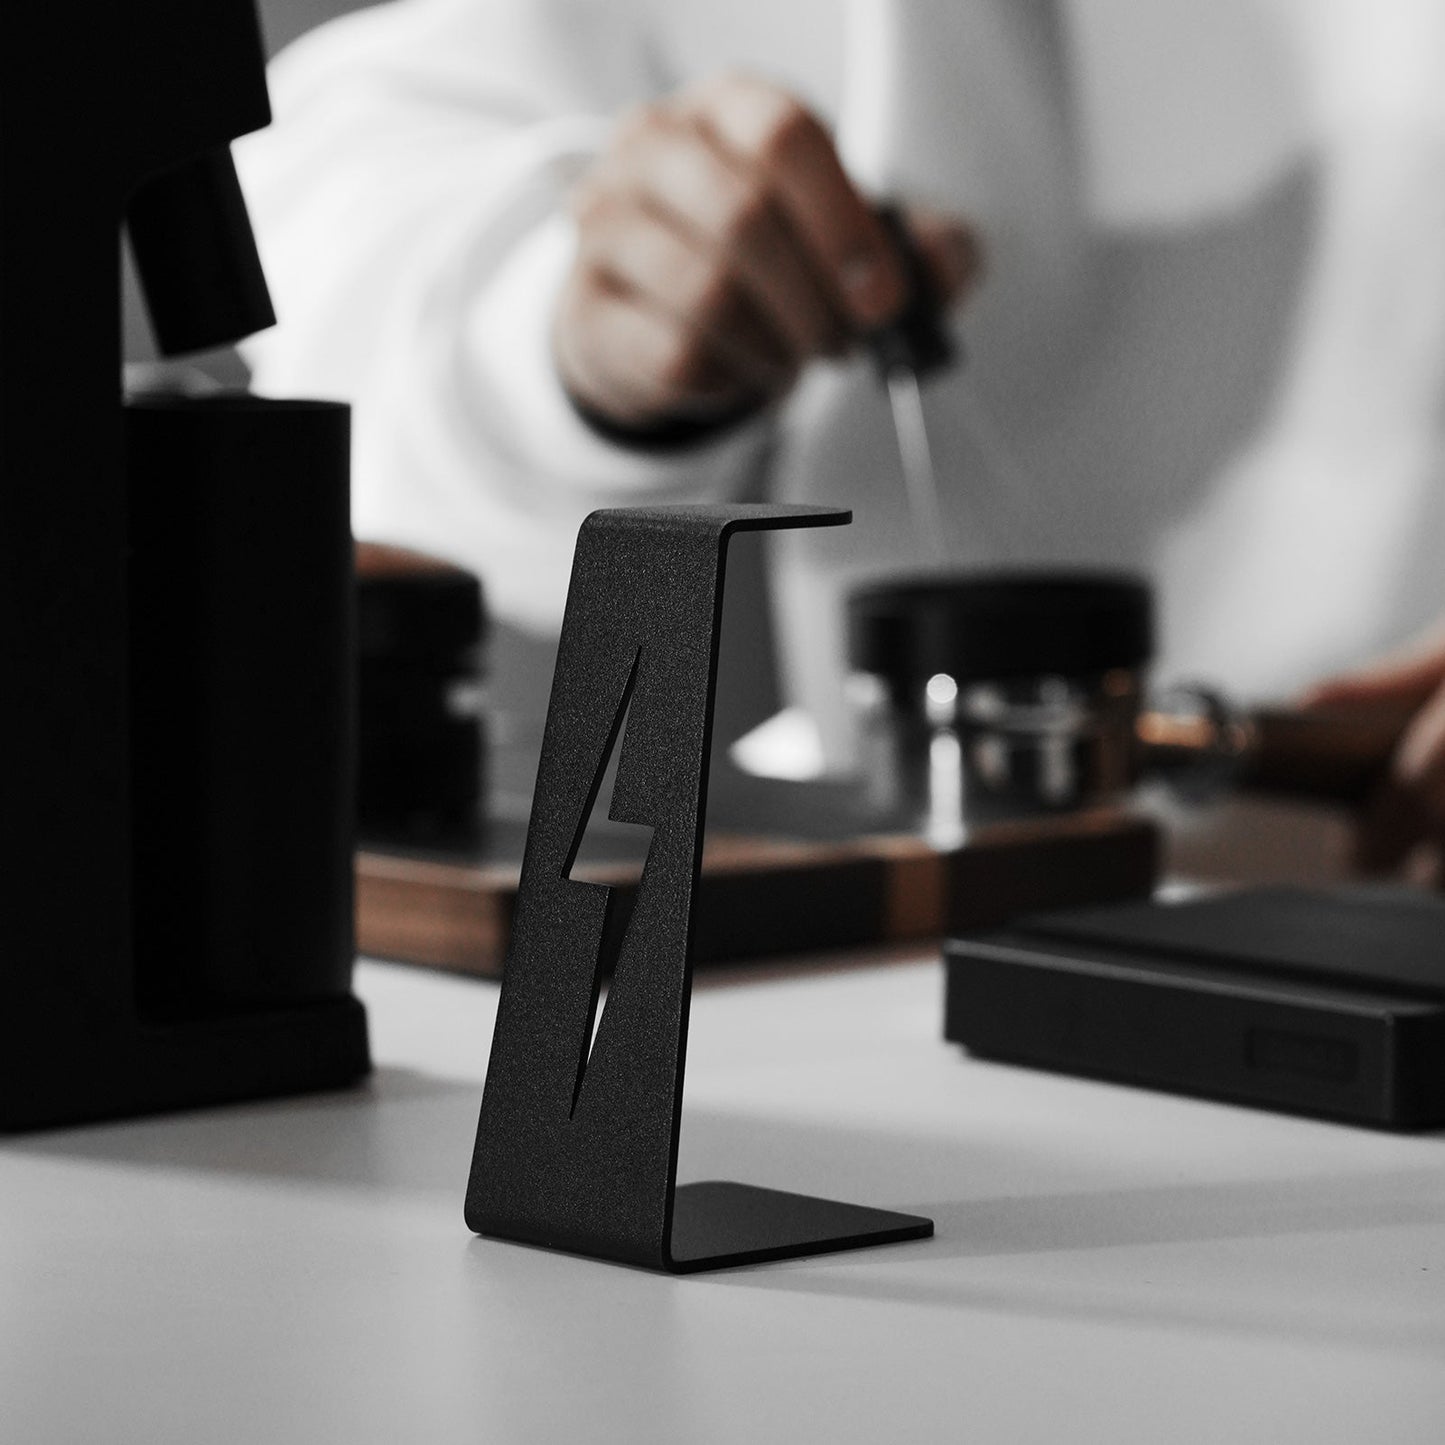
column 574, row 253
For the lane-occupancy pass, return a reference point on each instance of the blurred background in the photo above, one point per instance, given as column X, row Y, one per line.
column 1263, row 190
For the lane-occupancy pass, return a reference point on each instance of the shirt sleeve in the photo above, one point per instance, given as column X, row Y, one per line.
column 410, row 205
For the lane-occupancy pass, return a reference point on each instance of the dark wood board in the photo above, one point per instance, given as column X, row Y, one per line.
column 763, row 897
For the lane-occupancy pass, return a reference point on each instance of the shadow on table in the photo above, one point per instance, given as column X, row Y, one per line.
column 1392, row 1318
column 966, row 1265
column 902, row 1171
column 401, row 1131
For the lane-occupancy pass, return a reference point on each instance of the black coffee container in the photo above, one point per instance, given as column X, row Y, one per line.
column 242, row 711
column 421, row 632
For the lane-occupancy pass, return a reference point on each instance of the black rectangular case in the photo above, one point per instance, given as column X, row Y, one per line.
column 1327, row 1003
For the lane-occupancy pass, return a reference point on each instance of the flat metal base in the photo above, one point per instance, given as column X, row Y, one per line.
column 716, row 1225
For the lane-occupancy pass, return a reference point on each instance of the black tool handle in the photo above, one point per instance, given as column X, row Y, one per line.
column 917, row 339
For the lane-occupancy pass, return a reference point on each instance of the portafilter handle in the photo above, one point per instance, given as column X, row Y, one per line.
column 1200, row 745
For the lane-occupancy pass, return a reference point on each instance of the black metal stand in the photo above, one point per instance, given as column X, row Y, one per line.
column 577, row 1142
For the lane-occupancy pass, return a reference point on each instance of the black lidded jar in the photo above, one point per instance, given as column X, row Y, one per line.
column 421, row 635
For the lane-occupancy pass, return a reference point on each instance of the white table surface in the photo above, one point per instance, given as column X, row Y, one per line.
column 1109, row 1265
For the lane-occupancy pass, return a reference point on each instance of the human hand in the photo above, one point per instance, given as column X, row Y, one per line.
column 1402, row 825
column 720, row 247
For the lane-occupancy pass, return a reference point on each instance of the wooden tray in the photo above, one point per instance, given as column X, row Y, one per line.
column 769, row 896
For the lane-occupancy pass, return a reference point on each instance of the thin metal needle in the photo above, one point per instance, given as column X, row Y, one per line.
column 918, row 473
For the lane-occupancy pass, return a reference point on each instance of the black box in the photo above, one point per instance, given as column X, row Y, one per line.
column 1327, row 1003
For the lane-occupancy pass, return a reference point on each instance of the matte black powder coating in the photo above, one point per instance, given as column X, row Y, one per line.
column 1325, row 1002
column 175, row 604
column 577, row 1152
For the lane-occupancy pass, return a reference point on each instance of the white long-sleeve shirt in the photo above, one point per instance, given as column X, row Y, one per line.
column 1209, row 345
